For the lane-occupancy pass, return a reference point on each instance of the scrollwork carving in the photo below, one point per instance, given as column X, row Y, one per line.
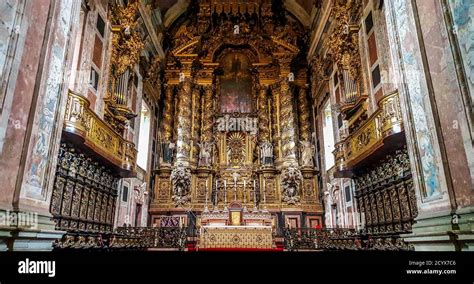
column 344, row 39
column 291, row 180
column 181, row 179
column 126, row 44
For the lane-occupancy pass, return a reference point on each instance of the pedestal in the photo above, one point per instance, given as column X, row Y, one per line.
column 162, row 189
column 203, row 190
column 439, row 232
column 39, row 237
column 309, row 192
column 269, row 193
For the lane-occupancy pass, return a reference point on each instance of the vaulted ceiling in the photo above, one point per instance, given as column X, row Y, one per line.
column 172, row 9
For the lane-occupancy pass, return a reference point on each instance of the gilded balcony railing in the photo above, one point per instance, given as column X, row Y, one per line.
column 386, row 121
column 81, row 121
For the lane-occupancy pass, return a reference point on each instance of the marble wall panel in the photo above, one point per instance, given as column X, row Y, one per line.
column 419, row 118
column 449, row 104
column 462, row 11
column 15, row 114
column 48, row 115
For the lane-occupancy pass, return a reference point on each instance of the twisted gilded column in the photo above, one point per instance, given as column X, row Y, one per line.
column 207, row 116
column 196, row 122
column 287, row 124
column 308, row 186
column 291, row 176
column 167, row 124
column 276, row 121
column 263, row 115
column 304, row 113
column 162, row 179
column 184, row 116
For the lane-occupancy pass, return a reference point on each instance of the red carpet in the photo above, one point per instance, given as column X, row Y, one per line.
column 241, row 249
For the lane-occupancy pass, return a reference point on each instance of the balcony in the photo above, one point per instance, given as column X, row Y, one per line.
column 87, row 131
column 382, row 130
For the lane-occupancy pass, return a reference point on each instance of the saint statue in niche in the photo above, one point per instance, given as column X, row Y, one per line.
column 236, row 84
column 266, row 153
column 307, row 152
column 205, row 149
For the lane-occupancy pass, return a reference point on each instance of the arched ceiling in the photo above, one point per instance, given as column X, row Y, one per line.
column 173, row 9
column 201, row 33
